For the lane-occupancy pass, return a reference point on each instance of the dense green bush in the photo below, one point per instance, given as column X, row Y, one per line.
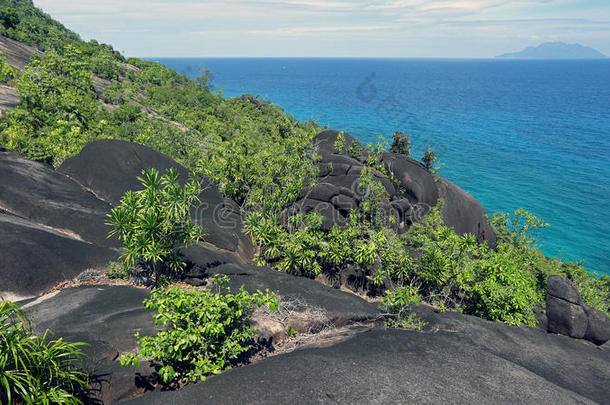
column 401, row 143
column 204, row 331
column 151, row 222
column 7, row 72
column 37, row 369
column 429, row 159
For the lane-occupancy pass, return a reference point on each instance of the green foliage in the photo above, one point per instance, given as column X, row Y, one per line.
column 517, row 229
column 20, row 20
column 204, row 331
column 340, row 142
column 291, row 331
column 429, row 159
column 153, row 221
column 37, row 369
column 117, row 270
column 266, row 170
column 517, row 233
column 354, row 149
column 397, row 304
column 401, row 143
column 7, row 72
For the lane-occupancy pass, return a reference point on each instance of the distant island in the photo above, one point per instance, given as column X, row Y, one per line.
column 555, row 50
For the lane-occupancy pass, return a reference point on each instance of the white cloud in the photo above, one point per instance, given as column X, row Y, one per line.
column 311, row 30
column 353, row 27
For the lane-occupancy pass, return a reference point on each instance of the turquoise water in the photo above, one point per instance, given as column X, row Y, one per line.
column 532, row 134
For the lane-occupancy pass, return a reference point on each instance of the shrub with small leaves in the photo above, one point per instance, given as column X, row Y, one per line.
column 401, row 143
column 429, row 159
column 204, row 333
column 397, row 304
column 7, row 72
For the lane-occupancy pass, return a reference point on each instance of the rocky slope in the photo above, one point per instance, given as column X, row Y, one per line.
column 52, row 227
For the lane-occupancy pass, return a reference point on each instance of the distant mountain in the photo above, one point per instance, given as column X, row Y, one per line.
column 555, row 50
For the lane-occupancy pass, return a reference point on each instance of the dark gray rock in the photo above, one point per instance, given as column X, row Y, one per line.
column 17, row 54
column 36, row 192
column 34, row 258
column 109, row 168
column 598, row 326
column 415, row 181
column 331, row 215
column 463, row 213
column 344, row 204
column 541, row 318
column 565, row 318
column 342, row 307
column 461, row 358
column 321, row 192
column 106, row 317
column 201, row 258
column 324, row 142
column 561, row 287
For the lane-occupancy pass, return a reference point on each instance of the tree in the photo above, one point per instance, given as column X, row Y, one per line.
column 153, row 221
column 429, row 159
column 401, row 143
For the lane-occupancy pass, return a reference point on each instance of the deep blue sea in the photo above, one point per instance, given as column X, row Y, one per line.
column 532, row 134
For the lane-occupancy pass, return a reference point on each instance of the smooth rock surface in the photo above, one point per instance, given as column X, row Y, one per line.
column 561, row 287
column 566, row 318
column 106, row 317
column 598, row 326
column 34, row 259
column 36, row 192
column 109, row 168
column 458, row 359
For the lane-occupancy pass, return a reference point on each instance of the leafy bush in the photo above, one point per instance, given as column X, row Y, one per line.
column 152, row 221
column 519, row 231
column 401, row 143
column 429, row 159
column 397, row 304
column 37, row 369
column 205, row 331
column 7, row 72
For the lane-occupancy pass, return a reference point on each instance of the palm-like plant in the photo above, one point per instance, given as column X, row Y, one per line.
column 37, row 369
column 152, row 222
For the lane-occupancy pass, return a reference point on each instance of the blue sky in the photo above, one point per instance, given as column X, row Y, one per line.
column 341, row 28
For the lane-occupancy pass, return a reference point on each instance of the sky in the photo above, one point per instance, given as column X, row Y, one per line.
column 337, row 28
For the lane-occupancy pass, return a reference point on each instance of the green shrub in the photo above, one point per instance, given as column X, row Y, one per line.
column 37, row 369
column 153, row 221
column 429, row 159
column 518, row 229
column 340, row 142
column 205, row 331
column 7, row 72
column 401, row 143
column 397, row 304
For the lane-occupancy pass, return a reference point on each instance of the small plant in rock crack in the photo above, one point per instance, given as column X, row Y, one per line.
column 340, row 142
column 153, row 221
column 204, row 332
column 291, row 331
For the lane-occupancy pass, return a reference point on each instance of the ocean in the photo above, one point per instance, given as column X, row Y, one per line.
column 531, row 134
